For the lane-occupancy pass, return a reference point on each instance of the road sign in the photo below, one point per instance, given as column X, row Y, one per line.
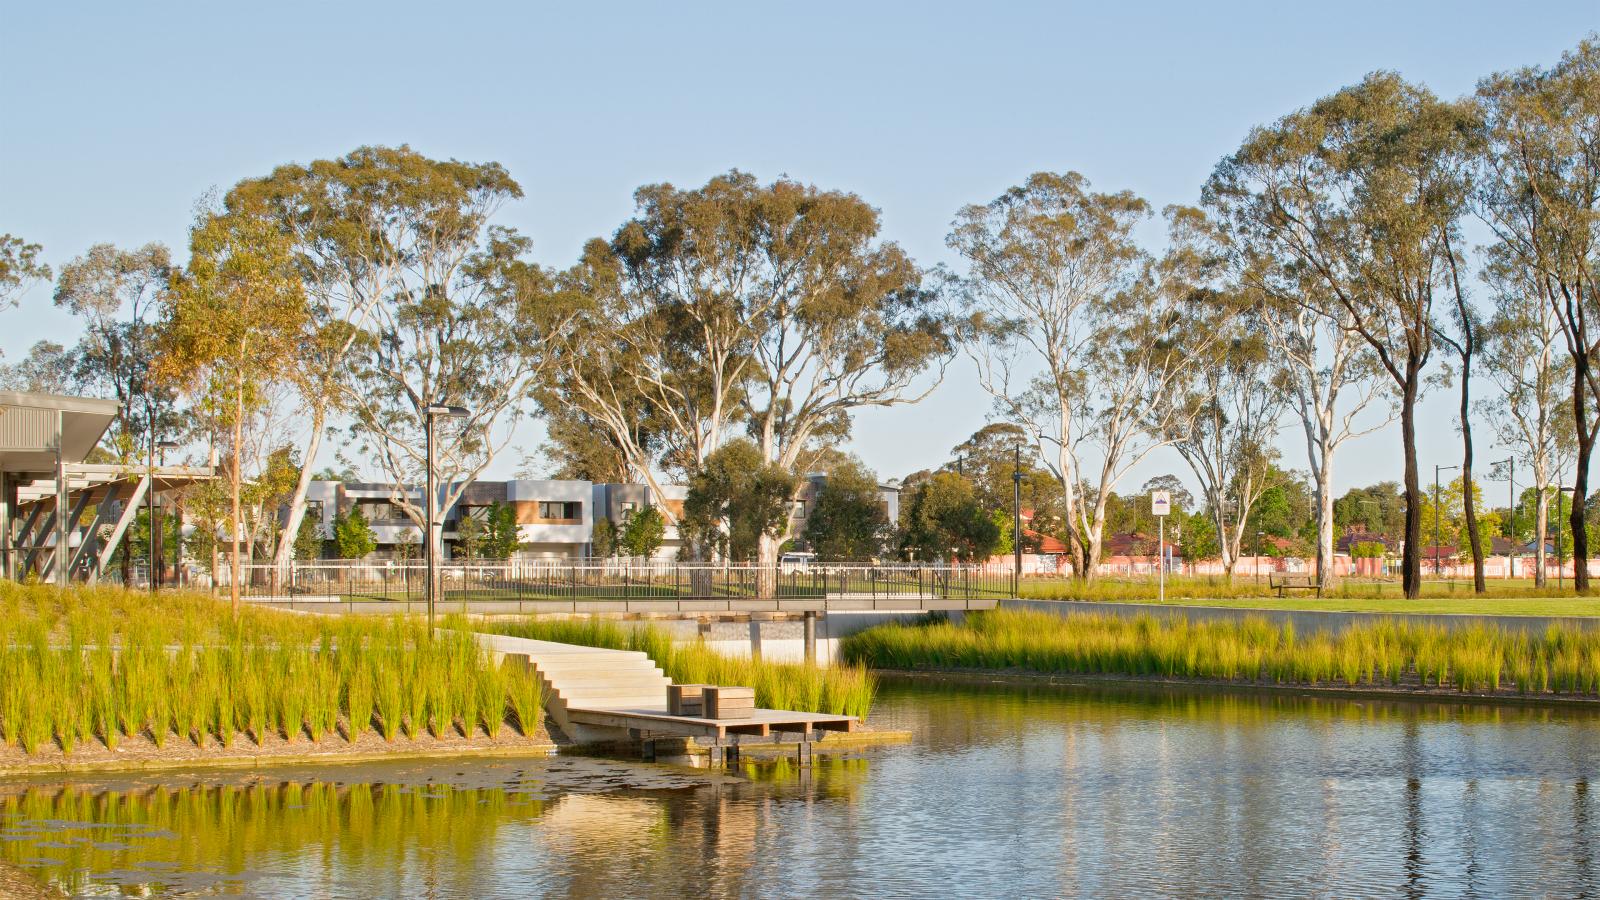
column 1160, row 503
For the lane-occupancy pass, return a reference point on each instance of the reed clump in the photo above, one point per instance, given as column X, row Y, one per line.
column 1388, row 652
column 837, row 690
column 106, row 665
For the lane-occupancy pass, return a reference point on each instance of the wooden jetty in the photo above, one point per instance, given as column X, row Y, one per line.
column 595, row 694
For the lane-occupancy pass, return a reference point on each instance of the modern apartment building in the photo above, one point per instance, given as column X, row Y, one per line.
column 555, row 519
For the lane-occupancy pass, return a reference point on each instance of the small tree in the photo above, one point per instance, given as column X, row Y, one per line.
column 228, row 332
column 469, row 537
column 353, row 535
column 501, row 537
column 736, row 499
column 847, row 521
column 643, row 533
column 944, row 518
column 604, row 542
column 308, row 540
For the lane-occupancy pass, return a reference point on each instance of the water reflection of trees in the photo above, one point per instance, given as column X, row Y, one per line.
column 166, row 838
column 962, row 715
column 398, row 839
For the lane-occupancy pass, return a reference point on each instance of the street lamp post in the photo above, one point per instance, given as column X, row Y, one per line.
column 154, row 524
column 429, row 414
column 1437, row 568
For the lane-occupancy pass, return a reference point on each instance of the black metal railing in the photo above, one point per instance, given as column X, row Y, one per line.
column 530, row 581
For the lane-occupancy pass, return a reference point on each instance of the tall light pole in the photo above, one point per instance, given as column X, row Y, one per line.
column 429, row 414
column 154, row 560
column 1436, row 470
column 1511, row 495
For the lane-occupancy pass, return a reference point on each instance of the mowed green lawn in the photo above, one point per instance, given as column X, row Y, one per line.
column 1514, row 598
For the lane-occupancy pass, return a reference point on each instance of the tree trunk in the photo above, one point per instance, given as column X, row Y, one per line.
column 1411, row 556
column 1325, row 522
column 1469, row 507
column 234, row 487
column 1541, row 528
column 767, row 559
column 1580, row 478
column 297, row 502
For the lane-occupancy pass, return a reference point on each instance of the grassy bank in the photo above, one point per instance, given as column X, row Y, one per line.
column 1391, row 653
column 106, row 665
column 1502, row 598
column 838, row 690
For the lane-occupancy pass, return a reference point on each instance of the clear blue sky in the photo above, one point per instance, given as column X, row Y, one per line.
column 117, row 117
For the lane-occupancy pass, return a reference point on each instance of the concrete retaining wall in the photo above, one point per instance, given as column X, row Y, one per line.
column 1305, row 621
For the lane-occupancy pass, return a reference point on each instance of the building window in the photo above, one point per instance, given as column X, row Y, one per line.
column 799, row 511
column 568, row 510
column 380, row 511
column 628, row 508
column 314, row 511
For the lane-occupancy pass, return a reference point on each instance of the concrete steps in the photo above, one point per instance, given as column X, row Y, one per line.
column 589, row 677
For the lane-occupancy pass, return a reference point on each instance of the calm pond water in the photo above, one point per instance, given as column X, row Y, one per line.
column 1006, row 792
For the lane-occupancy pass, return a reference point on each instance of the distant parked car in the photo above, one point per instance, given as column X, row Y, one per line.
column 796, row 562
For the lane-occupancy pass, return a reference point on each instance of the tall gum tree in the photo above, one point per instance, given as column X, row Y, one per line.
column 1539, row 191
column 1072, row 330
column 1330, row 379
column 1362, row 193
column 1525, row 358
column 771, row 305
column 115, row 293
column 1233, row 413
column 228, row 332
column 471, row 325
column 364, row 228
column 19, row 268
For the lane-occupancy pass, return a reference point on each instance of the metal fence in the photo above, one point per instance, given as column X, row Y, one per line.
column 619, row 581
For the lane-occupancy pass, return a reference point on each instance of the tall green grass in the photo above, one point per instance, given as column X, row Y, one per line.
column 837, row 690
column 102, row 664
column 1389, row 652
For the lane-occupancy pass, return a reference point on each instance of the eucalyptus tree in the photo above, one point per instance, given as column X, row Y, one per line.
column 115, row 292
column 470, row 323
column 370, row 232
column 1360, row 195
column 19, row 268
column 1073, row 330
column 1540, row 194
column 1524, row 356
column 772, row 305
column 1227, row 436
column 48, row 368
column 1331, row 380
column 1466, row 342
column 230, row 326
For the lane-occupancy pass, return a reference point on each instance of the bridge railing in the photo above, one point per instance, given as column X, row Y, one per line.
column 540, row 580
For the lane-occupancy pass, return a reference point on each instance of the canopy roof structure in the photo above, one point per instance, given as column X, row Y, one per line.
column 40, row 431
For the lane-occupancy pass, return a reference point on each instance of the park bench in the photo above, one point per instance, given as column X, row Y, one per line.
column 1288, row 582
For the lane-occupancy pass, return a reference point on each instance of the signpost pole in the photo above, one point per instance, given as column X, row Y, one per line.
column 1160, row 507
column 1161, row 560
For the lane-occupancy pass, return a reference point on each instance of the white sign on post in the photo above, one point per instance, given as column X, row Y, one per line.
column 1161, row 507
